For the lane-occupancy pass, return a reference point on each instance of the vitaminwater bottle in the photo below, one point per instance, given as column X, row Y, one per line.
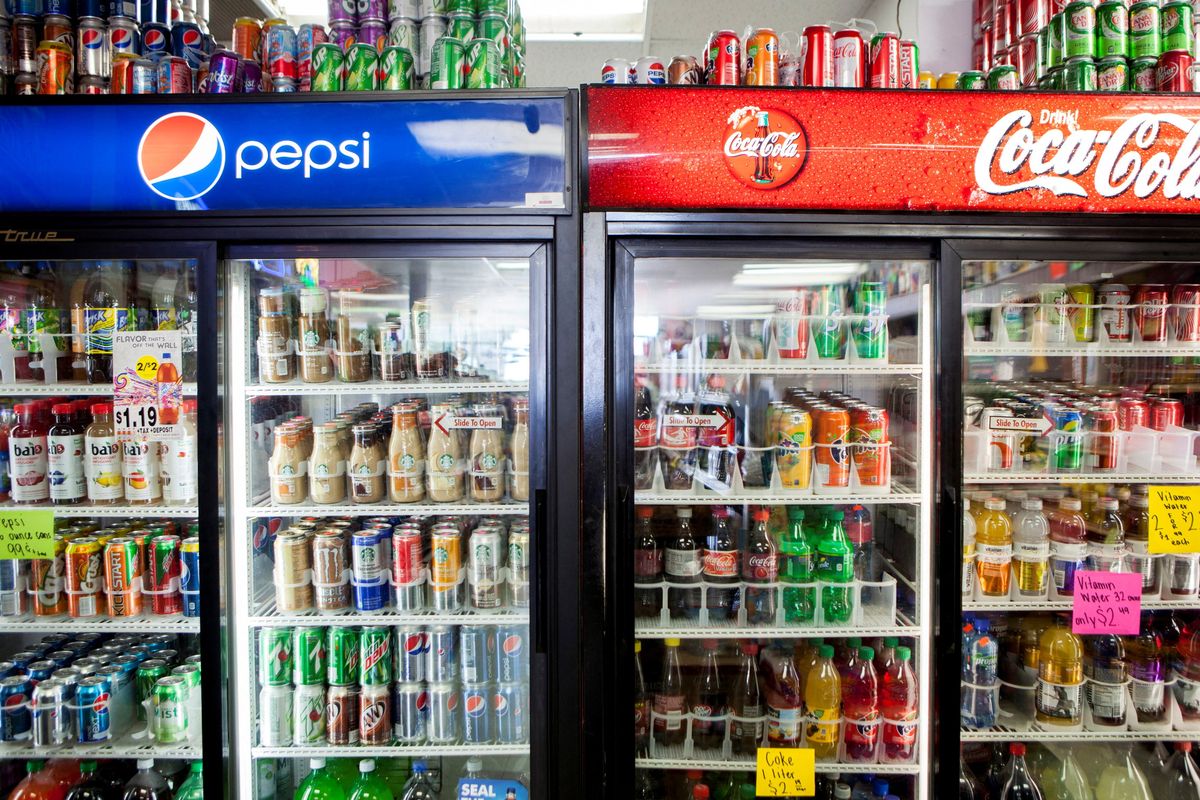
column 1031, row 549
column 1147, row 672
column 860, row 707
column 968, row 566
column 1136, row 522
column 1105, row 669
column 823, row 705
column 1105, row 538
column 1060, row 676
column 1187, row 671
column 898, row 704
column 993, row 549
column 1068, row 545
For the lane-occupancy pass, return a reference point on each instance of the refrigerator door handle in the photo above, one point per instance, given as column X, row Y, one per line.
column 539, row 580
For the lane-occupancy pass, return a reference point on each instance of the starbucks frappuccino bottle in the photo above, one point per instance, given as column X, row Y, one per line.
column 406, row 457
column 442, row 459
column 487, row 457
column 518, row 480
column 287, row 467
column 327, row 470
column 313, row 337
column 367, row 466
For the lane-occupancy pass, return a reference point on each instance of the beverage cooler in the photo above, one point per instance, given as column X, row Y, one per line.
column 393, row 311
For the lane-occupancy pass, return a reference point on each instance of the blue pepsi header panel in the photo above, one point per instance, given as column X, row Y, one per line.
column 287, row 155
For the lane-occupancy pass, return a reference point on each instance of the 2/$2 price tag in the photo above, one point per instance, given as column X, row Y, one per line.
column 1175, row 519
column 26, row 534
column 786, row 772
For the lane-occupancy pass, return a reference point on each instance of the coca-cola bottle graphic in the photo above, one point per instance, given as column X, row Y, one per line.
column 745, row 705
column 760, row 566
column 647, row 567
column 721, row 567
column 683, row 564
column 645, row 439
column 762, row 162
column 708, row 702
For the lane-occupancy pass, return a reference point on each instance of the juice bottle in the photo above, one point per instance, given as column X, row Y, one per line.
column 993, row 549
column 108, row 309
column 27, row 457
column 968, row 565
column 169, row 391
column 178, row 468
column 45, row 315
column 102, row 458
column 860, row 706
column 1060, row 676
column 1105, row 669
column 64, row 459
column 823, row 705
column 1031, row 549
column 1105, row 537
column 899, row 704
column 1147, row 671
column 1068, row 545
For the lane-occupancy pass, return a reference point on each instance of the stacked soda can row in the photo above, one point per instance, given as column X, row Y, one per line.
column 821, row 55
column 92, row 688
column 406, row 685
column 136, row 568
column 406, row 564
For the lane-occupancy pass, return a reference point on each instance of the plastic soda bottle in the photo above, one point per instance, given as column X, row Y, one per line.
column 669, row 700
column 1059, row 696
column 823, row 705
column 993, row 549
column 1031, row 549
column 1182, row 781
column 683, row 564
column 785, row 705
column 91, row 786
column 1020, row 784
column 860, row 707
column 835, row 567
column 192, row 787
column 708, row 702
column 417, row 787
column 760, row 565
column 968, row 565
column 36, row 785
column 1065, row 780
column 720, row 565
column 146, row 784
column 370, row 786
column 647, row 567
column 320, row 784
column 981, row 655
column 898, row 703
column 1068, row 545
column 798, row 566
column 745, row 705
column 641, row 704
column 1122, row 780
column 860, row 532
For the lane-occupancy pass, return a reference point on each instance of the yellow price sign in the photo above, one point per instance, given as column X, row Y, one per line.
column 147, row 368
column 26, row 534
column 786, row 772
column 1175, row 519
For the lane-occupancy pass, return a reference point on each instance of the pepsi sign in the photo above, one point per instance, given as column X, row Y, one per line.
column 297, row 154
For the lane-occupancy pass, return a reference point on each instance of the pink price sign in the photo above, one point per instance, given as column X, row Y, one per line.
column 1107, row 602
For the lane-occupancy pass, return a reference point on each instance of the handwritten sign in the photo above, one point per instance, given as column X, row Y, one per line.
column 1107, row 602
column 26, row 534
column 1175, row 519
column 786, row 772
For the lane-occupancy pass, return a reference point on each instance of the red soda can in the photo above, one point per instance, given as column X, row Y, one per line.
column 1101, row 424
column 1014, row 20
column 1185, row 312
column 724, row 59
column 989, row 53
column 1164, row 412
column 174, row 76
column 1173, row 73
column 1150, row 311
column 762, row 59
column 817, row 68
column 91, row 84
column 909, row 64
column 832, row 433
column 1001, row 27
column 849, row 59
column 407, row 561
column 885, row 61
column 1033, row 16
column 977, row 55
column 869, row 435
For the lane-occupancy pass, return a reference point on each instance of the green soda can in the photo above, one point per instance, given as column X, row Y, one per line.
column 1177, row 32
column 1052, row 81
column 1141, row 74
column 1003, row 77
column 342, row 648
column 446, row 64
column 362, row 68
column 328, row 64
column 1145, row 38
column 1112, row 29
column 375, row 656
column 170, row 702
column 493, row 7
column 484, row 70
column 461, row 26
column 190, row 673
column 871, row 332
column 309, row 661
column 1080, row 75
column 275, row 656
column 1079, row 30
column 1054, row 40
column 971, row 79
column 1043, row 50
column 495, row 27
column 829, row 329
column 1112, row 74
column 395, row 69
column 461, row 7
column 148, row 674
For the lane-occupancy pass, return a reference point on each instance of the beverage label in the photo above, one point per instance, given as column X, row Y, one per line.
column 783, row 726
column 43, row 320
column 682, row 563
column 28, row 462
column 65, row 467
column 1107, row 700
column 641, row 720
column 668, row 711
column 741, row 728
column 179, row 470
column 762, row 567
column 902, row 733
column 720, row 563
column 140, row 461
column 1148, row 696
column 1031, row 551
column 11, row 322
column 824, row 728
column 647, row 564
column 703, row 722
column 835, row 567
column 863, row 731
column 1184, row 573
column 102, row 468
column 644, row 432
column 993, row 553
column 1187, row 695
column 100, row 324
column 1059, row 701
column 164, row 319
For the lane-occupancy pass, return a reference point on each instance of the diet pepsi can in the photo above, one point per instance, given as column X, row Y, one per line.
column 412, row 650
column 477, row 714
column 91, row 56
column 509, row 703
column 93, row 719
column 442, row 662
column 16, row 720
column 511, row 653
column 53, row 722
column 443, row 713
column 122, row 36
column 156, row 38
column 477, row 651
column 410, row 713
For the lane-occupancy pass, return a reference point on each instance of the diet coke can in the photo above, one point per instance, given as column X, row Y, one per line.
column 723, row 59
column 617, row 71
column 849, row 59
column 885, row 61
column 817, row 67
column 649, row 71
column 1185, row 312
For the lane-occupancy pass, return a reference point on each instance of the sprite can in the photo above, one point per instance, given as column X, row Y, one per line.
column 1112, row 74
column 148, row 674
column 1141, row 74
column 342, row 646
column 362, row 65
column 170, row 710
column 375, row 656
column 829, row 329
column 446, row 64
column 1079, row 30
column 395, row 69
column 1054, row 40
column 971, row 79
column 275, row 656
column 1003, row 77
column 328, row 63
column 484, row 70
column 1112, row 29
column 461, row 26
column 1080, row 75
column 308, row 656
column 870, row 332
column 1177, row 33
column 1145, row 37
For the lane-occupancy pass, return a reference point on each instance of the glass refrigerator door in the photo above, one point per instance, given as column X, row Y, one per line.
column 387, row 468
column 100, row 539
column 1081, row 583
column 780, row 534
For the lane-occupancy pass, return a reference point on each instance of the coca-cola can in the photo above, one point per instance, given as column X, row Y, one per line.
column 884, row 71
column 1173, row 72
column 617, row 71
column 684, row 70
column 1001, row 27
column 1114, row 299
column 988, row 54
column 910, row 64
column 1150, row 311
column 1133, row 412
column 1034, row 16
column 977, row 56
column 1185, row 312
column 1101, row 424
column 724, row 66
column 1166, row 412
column 817, row 67
column 849, row 59
column 1014, row 20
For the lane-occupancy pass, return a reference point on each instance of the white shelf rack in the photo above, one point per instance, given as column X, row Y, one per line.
column 1004, row 733
column 385, row 751
column 29, row 623
column 473, row 386
column 126, row 747
column 19, row 389
column 268, row 616
column 823, row 767
column 386, row 509
column 1038, row 604
column 721, row 367
column 990, row 478
column 1127, row 349
column 899, row 494
column 84, row 510
column 775, row 632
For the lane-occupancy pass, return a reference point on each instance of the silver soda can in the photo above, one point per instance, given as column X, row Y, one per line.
column 92, row 51
column 477, row 653
column 617, row 71
column 308, row 715
column 649, row 71
column 409, row 9
column 518, row 568
column 53, row 722
column 410, row 713
column 428, row 8
column 12, row 580
column 442, row 659
column 432, row 29
column 412, row 651
column 484, row 561
column 444, row 701
column 406, row 33
column 275, row 709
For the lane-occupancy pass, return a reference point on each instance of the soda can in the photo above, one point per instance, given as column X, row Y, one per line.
column 368, row 550
column 16, row 719
column 375, row 715
column 1034, row 14
column 829, row 333
column 362, row 66
column 910, row 64
column 163, row 576
column 817, row 68
column 149, row 672
column 327, row 64
column 57, row 28
column 831, row 435
column 41, row 670
column 1112, row 29
column 122, row 570
column 1112, row 74
column 51, row 717
column 341, row 715
column 442, row 727
column 371, row 9
column 477, row 652
column 518, row 569
column 1133, row 412
column 250, row 81
column 1101, row 426
column 1113, row 314
column 410, row 713
column 461, row 26
column 24, row 43
column 971, row 79
column 343, row 34
column 1150, row 305
column 1003, row 77
column 373, row 32
column 84, row 577
column 849, row 59
column 722, row 62
column 55, row 65
column 247, row 37
column 683, row 70
column 870, row 451
column 275, row 716
column 343, row 11
column 375, row 656
column 281, row 52
column 484, row 561
column 477, row 727
column 510, row 702
column 123, row 36
column 93, row 717
column 308, row 715
column 762, row 59
column 484, row 69
column 432, row 29
column 442, row 655
column 406, row 8
column 1066, row 445
column 1081, row 312
column 406, row 33
column 512, row 657
column 174, row 77
column 446, row 65
column 307, row 37
column 190, row 673
column 1166, row 413
column 331, row 590
column 275, row 656
column 1142, row 73
column 1176, row 26
column 92, row 53
column 884, row 69
column 870, row 331
column 412, row 653
column 408, row 563
column 1145, row 29
column 1174, row 71
column 1185, row 312
column 155, row 38
column 445, row 580
column 342, row 647
column 430, row 7
column 224, row 68
column 617, row 71
column 309, row 660
column 23, row 659
column 1079, row 30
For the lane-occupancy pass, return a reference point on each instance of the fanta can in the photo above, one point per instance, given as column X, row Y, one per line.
column 793, row 451
column 833, row 453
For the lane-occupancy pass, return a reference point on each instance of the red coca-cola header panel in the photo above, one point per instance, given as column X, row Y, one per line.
column 669, row 147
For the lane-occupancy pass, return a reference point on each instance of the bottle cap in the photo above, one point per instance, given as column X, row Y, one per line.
column 720, row 513
column 637, row 647
column 316, row 763
column 866, row 653
column 683, row 513
column 671, row 642
column 982, row 625
column 87, row 766
column 368, row 765
column 418, row 766
column 700, row 792
column 62, row 409
column 795, row 512
column 474, row 765
column 892, row 641
column 23, row 408
column 880, row 787
column 903, row 653
column 761, row 515
column 1017, row 749
column 1185, row 747
column 645, row 512
column 994, row 504
column 1070, row 504
column 145, row 763
column 750, row 649
column 825, row 651
column 695, row 774
column 101, row 408
column 838, row 515
column 854, row 642
column 1031, row 504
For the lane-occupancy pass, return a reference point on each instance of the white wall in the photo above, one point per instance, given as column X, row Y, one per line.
column 941, row 28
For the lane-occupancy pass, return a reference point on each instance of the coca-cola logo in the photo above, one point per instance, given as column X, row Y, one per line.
column 765, row 148
column 762, row 567
column 1148, row 153
column 846, row 48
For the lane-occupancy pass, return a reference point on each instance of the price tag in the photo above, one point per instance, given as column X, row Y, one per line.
column 481, row 788
column 26, row 534
column 147, row 385
column 1107, row 602
column 786, row 772
column 1175, row 519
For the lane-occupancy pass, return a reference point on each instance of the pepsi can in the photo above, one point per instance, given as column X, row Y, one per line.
column 443, row 713
column 189, row 564
column 91, row 56
column 186, row 36
column 156, row 38
column 34, row 8
column 63, row 8
column 23, row 659
column 412, row 650
column 16, row 721
column 509, row 704
column 93, row 8
column 41, row 671
column 511, row 653
column 122, row 36
column 8, row 668
column 251, row 77
column 477, row 714
column 410, row 713
column 61, row 658
column 121, row 697
column 157, row 10
column 87, row 665
column 442, row 663
column 52, row 721
column 477, row 650
column 93, row 720
column 223, row 73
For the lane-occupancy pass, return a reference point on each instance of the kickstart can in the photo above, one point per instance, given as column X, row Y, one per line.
column 55, row 65
column 122, row 570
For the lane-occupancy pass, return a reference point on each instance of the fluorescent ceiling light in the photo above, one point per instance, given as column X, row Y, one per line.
column 584, row 19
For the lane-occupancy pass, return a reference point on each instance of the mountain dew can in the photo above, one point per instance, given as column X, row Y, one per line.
column 446, row 64
column 1145, row 39
column 328, row 61
column 362, row 65
column 395, row 69
column 342, row 646
column 484, row 68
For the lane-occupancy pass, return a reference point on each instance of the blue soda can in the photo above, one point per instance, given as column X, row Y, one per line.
column 511, row 653
column 477, row 714
column 369, row 573
column 23, row 659
column 94, row 8
column 41, row 670
column 156, row 38
column 92, row 638
column 55, row 641
column 410, row 712
column 87, row 665
column 139, row 651
column 186, row 36
column 477, row 653
column 9, row 668
column 157, row 10
column 93, row 721
column 61, row 658
column 145, row 77
column 16, row 720
column 78, row 647
column 64, row 7
column 189, row 575
column 35, row 8
column 509, row 704
column 123, row 36
column 251, row 77
column 442, row 664
column 224, row 73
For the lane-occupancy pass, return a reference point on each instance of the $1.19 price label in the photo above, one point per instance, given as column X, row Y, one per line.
column 147, row 384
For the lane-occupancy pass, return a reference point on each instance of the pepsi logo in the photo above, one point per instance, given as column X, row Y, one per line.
column 416, row 643
column 500, row 704
column 91, row 38
column 452, row 702
column 512, row 645
column 154, row 39
column 100, row 703
column 422, row 702
column 15, row 700
column 476, row 705
column 121, row 38
column 191, row 38
column 181, row 156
